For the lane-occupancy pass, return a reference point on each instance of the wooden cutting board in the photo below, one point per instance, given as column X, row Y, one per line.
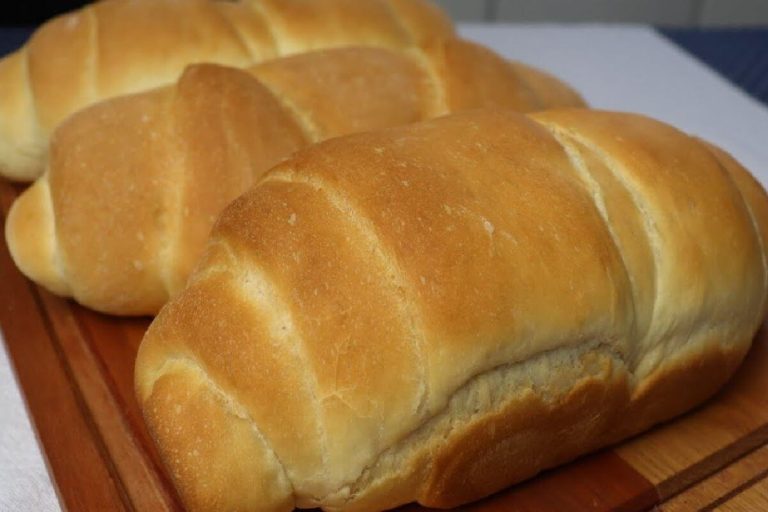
column 75, row 368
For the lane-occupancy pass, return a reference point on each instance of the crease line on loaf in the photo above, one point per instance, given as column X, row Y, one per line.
column 439, row 101
column 753, row 217
column 396, row 15
column 352, row 214
column 174, row 195
column 258, row 9
column 651, row 230
column 30, row 91
column 598, row 196
column 93, row 57
column 25, row 146
column 58, row 261
column 237, row 34
column 230, row 405
column 265, row 294
column 308, row 127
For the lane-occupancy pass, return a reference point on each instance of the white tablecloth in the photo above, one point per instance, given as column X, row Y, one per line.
column 616, row 68
column 24, row 482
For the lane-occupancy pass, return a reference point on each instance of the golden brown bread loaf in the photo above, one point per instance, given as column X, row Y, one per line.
column 436, row 311
column 135, row 184
column 116, row 47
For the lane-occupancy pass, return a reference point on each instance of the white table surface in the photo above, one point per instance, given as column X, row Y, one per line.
column 616, row 68
column 24, row 482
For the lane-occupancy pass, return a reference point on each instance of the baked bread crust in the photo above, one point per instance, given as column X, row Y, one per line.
column 134, row 184
column 111, row 48
column 437, row 311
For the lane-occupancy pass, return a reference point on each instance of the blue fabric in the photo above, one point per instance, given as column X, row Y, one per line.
column 13, row 37
column 741, row 55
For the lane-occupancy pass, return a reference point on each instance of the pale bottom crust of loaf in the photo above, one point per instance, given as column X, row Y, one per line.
column 542, row 426
column 542, row 437
column 565, row 403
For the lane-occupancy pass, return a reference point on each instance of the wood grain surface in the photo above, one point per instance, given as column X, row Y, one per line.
column 75, row 368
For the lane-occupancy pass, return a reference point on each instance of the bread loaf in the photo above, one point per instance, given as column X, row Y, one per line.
column 433, row 312
column 116, row 47
column 134, row 184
